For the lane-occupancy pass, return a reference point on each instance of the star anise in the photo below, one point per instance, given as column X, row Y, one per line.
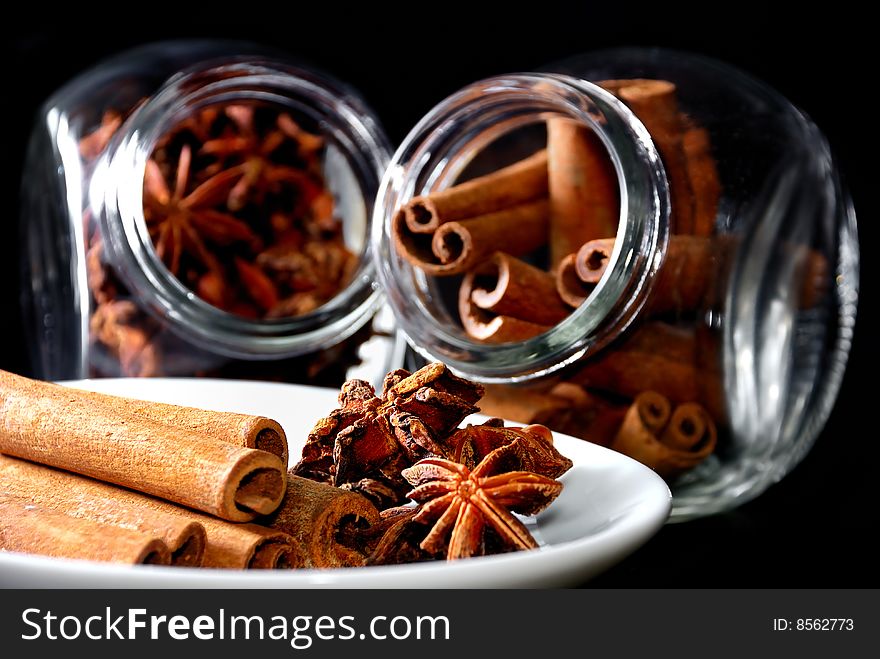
column 263, row 174
column 368, row 440
column 465, row 505
column 181, row 221
column 535, row 445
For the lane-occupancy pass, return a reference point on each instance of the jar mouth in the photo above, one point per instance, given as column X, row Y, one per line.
column 357, row 151
column 434, row 155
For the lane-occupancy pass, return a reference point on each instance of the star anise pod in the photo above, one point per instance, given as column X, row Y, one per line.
column 535, row 445
column 368, row 440
column 183, row 222
column 263, row 174
column 464, row 505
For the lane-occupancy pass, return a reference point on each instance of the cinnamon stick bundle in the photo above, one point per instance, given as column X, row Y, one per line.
column 194, row 539
column 325, row 520
column 521, row 182
column 45, row 423
column 582, row 186
column 28, row 528
column 91, row 500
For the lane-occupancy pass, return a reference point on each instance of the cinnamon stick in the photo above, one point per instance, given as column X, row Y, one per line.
column 703, row 175
column 250, row 546
column 461, row 245
column 216, row 543
column 592, row 259
column 246, row 430
column 654, row 103
column 525, row 406
column 657, row 357
column 636, row 439
column 485, row 326
column 324, row 519
column 29, row 528
column 87, row 499
column 46, row 423
column 690, row 429
column 507, row 286
column 582, row 186
column 571, row 288
column 516, row 184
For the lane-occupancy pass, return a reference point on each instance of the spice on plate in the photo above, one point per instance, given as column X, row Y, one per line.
column 469, row 510
column 47, row 423
column 26, row 527
column 48, row 510
column 325, row 521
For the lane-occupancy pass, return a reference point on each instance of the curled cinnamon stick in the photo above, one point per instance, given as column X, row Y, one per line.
column 592, row 259
column 88, row 499
column 45, row 423
column 246, row 430
column 690, row 429
column 571, row 288
column 654, row 103
column 636, row 439
column 521, row 182
column 507, row 286
column 215, row 543
column 461, row 245
column 324, row 519
column 582, row 187
column 486, row 326
column 250, row 546
column 29, row 528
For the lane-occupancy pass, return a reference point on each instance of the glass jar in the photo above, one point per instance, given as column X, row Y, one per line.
column 718, row 185
column 120, row 285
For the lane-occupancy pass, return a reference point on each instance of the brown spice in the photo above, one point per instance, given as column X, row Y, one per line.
column 464, row 505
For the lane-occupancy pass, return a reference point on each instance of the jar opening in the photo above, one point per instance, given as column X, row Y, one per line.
column 351, row 165
column 492, row 124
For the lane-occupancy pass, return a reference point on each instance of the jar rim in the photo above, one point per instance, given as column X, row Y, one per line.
column 338, row 110
column 424, row 162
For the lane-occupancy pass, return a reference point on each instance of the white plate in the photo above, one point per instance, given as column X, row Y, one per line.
column 610, row 506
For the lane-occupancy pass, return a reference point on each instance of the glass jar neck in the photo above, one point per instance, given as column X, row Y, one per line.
column 434, row 155
column 117, row 189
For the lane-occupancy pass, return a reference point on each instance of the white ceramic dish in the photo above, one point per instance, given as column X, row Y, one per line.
column 609, row 507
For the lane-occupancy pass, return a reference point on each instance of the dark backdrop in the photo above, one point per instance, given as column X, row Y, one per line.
column 813, row 529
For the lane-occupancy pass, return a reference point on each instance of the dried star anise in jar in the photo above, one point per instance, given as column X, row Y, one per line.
column 238, row 209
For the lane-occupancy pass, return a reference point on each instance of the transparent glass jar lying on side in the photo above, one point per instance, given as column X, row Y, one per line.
column 201, row 208
column 706, row 330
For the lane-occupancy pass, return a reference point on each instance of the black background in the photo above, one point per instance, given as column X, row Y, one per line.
column 811, row 530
